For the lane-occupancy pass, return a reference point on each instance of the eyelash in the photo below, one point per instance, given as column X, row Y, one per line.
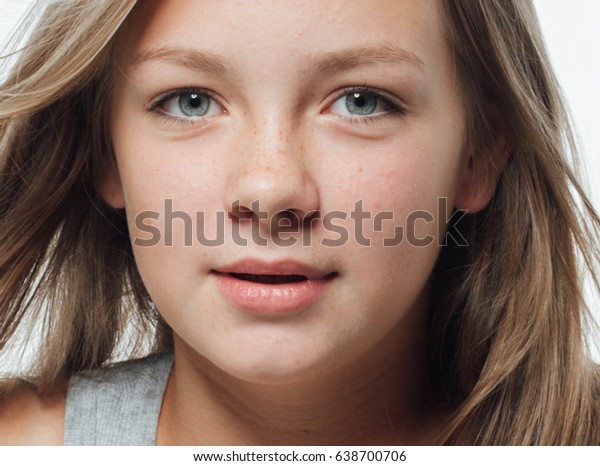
column 155, row 107
column 394, row 108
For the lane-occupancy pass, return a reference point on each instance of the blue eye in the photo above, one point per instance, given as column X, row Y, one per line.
column 363, row 103
column 193, row 105
column 187, row 105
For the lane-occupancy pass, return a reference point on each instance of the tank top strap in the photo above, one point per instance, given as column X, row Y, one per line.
column 118, row 405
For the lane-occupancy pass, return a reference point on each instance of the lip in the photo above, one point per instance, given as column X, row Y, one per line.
column 281, row 287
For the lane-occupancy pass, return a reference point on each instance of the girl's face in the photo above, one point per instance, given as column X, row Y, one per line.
column 350, row 108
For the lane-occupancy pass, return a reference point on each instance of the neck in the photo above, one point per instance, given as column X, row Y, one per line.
column 379, row 400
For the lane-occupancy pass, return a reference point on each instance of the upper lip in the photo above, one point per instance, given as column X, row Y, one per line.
column 280, row 267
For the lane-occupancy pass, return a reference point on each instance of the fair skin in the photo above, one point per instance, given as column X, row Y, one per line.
column 349, row 365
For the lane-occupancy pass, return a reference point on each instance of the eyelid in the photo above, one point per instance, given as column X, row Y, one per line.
column 398, row 107
column 161, row 99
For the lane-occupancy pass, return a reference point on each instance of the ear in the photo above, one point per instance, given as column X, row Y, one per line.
column 111, row 188
column 479, row 180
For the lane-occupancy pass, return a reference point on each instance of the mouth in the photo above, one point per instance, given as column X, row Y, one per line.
column 281, row 287
column 284, row 271
column 269, row 279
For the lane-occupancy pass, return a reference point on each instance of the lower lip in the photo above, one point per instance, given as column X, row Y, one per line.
column 264, row 298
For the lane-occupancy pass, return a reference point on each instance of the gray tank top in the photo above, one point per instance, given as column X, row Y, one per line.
column 119, row 405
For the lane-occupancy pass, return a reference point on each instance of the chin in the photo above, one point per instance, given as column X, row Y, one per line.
column 273, row 368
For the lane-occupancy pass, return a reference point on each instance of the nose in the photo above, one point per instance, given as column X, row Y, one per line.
column 272, row 178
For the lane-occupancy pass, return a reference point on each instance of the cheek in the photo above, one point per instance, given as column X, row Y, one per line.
column 169, row 189
column 161, row 173
column 157, row 163
column 406, row 188
column 405, row 175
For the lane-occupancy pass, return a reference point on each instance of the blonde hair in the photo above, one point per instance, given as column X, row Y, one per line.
column 507, row 320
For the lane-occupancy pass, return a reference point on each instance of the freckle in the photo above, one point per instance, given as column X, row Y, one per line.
column 306, row 431
column 360, row 169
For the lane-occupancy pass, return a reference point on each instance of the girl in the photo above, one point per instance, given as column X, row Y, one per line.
column 270, row 200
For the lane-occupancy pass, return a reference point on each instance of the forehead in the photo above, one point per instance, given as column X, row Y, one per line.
column 294, row 30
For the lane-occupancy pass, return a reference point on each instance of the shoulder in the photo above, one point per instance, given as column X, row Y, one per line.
column 30, row 418
column 123, row 375
column 117, row 405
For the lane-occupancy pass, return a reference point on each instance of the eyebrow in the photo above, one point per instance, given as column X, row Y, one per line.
column 345, row 59
column 325, row 63
column 187, row 57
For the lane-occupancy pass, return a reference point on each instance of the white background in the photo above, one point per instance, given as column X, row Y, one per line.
column 572, row 32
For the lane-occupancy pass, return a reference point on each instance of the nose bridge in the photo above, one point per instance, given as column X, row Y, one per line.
column 271, row 146
column 272, row 168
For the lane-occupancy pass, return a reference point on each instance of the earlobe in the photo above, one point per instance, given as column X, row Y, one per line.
column 111, row 188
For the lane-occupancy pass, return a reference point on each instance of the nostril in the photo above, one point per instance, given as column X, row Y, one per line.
column 309, row 217
column 285, row 221
column 239, row 211
column 291, row 217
